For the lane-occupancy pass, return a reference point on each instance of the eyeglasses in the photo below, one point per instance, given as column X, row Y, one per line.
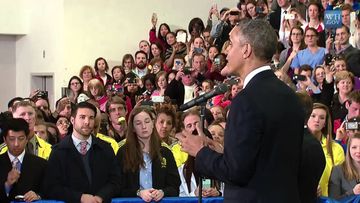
column 310, row 36
column 74, row 83
column 62, row 123
column 296, row 34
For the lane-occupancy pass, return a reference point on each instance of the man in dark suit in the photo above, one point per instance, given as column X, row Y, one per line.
column 264, row 130
column 21, row 173
column 278, row 15
column 82, row 168
column 342, row 46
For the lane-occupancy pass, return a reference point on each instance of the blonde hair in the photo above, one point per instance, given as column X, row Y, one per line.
column 349, row 169
column 96, row 83
column 343, row 75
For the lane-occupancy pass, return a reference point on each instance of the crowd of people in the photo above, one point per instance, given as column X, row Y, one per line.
column 115, row 131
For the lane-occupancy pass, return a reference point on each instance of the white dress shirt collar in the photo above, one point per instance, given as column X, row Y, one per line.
column 77, row 141
column 20, row 157
column 255, row 72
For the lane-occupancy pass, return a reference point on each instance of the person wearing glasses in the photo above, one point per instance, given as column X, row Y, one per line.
column 313, row 55
column 75, row 87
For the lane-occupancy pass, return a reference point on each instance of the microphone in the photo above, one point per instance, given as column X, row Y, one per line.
column 121, row 120
column 220, row 89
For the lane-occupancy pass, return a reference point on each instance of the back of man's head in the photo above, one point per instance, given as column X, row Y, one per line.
column 261, row 36
column 306, row 103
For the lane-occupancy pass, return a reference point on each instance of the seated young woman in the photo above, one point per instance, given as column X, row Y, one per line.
column 148, row 168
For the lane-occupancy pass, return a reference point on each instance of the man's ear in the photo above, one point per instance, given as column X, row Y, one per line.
column 347, row 104
column 247, row 50
column 72, row 120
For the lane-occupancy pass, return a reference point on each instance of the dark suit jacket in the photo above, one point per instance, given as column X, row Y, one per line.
column 262, row 147
column 66, row 178
column 352, row 56
column 31, row 177
column 164, row 177
column 275, row 18
column 175, row 91
column 311, row 167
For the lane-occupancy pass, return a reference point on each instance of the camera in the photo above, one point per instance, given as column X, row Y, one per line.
column 352, row 125
column 216, row 61
column 131, row 80
column 198, row 50
column 299, row 77
column 289, row 16
column 259, row 9
column 187, row 71
column 328, row 59
column 42, row 94
column 332, row 35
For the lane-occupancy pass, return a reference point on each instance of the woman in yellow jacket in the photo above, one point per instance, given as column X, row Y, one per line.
column 319, row 124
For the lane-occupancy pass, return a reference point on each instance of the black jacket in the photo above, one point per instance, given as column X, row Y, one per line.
column 262, row 145
column 31, row 177
column 66, row 178
column 165, row 175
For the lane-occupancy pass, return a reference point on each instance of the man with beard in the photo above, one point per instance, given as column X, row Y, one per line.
column 140, row 62
column 82, row 168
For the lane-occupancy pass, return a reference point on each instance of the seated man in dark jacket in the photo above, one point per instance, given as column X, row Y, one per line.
column 21, row 173
column 82, row 168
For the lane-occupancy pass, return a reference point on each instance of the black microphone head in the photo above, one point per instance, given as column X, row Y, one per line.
column 222, row 88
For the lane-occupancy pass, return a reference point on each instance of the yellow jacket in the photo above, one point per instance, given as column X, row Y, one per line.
column 110, row 140
column 43, row 150
column 339, row 157
column 180, row 156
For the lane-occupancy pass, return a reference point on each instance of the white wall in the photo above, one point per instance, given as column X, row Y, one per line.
column 41, row 50
column 73, row 33
column 113, row 28
column 7, row 69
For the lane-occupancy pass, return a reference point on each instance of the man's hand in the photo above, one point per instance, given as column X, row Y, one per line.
column 192, row 144
column 87, row 198
column 157, row 195
column 31, row 196
column 98, row 199
column 212, row 144
column 225, row 17
column 210, row 192
column 340, row 132
column 13, row 177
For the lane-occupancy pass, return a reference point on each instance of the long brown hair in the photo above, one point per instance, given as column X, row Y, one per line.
column 133, row 147
column 327, row 129
column 349, row 169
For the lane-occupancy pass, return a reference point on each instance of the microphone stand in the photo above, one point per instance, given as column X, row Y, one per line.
column 202, row 121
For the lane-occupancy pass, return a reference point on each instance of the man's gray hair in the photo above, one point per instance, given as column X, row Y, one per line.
column 261, row 36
